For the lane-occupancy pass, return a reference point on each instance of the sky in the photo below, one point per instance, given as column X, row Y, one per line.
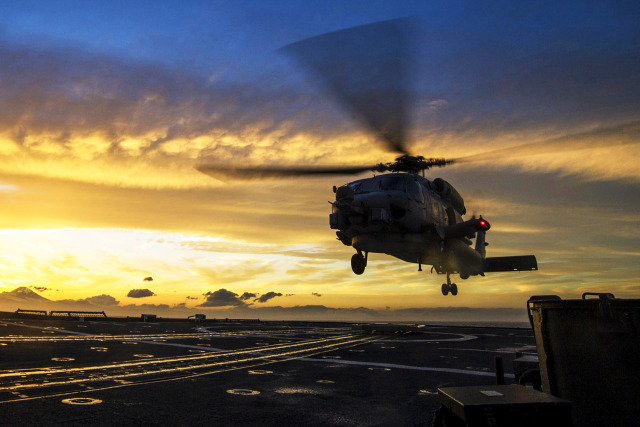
column 107, row 106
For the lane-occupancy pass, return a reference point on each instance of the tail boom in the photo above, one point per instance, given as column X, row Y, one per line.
column 510, row 263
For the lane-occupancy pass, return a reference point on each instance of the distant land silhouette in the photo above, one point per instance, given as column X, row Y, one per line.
column 26, row 299
column 22, row 294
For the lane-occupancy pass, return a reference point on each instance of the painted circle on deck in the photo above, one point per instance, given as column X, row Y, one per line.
column 260, row 372
column 81, row 401
column 325, row 382
column 62, row 359
column 243, row 391
column 145, row 356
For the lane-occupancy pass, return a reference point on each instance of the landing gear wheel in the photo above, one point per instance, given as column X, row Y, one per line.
column 358, row 263
column 449, row 287
column 454, row 289
column 445, row 289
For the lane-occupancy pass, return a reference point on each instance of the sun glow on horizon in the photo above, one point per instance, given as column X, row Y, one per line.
column 73, row 264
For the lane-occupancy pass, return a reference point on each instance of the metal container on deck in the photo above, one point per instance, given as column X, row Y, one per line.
column 589, row 353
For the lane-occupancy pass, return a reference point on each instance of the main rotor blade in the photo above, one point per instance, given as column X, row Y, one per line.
column 622, row 134
column 251, row 173
column 366, row 68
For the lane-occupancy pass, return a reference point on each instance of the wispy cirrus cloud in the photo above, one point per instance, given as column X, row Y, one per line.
column 68, row 107
column 74, row 114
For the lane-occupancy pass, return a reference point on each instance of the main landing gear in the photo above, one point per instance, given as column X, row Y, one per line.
column 359, row 262
column 449, row 287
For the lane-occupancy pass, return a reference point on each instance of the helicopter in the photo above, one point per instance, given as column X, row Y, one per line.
column 407, row 216
column 398, row 211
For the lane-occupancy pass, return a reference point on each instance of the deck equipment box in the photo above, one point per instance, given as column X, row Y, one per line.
column 589, row 353
column 501, row 405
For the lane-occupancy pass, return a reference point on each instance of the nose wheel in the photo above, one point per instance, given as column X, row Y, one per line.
column 449, row 287
column 359, row 262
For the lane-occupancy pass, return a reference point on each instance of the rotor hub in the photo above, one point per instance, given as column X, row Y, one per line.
column 411, row 164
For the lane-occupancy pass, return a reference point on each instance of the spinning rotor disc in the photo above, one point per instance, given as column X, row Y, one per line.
column 368, row 69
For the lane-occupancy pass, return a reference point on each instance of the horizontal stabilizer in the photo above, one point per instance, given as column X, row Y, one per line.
column 510, row 263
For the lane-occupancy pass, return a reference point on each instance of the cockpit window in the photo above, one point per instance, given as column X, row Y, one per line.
column 364, row 186
column 414, row 189
column 392, row 182
column 355, row 186
column 389, row 182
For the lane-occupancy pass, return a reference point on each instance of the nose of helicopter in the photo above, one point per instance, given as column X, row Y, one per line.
column 373, row 209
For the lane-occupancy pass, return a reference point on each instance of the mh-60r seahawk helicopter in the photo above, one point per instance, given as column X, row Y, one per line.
column 400, row 213
column 407, row 216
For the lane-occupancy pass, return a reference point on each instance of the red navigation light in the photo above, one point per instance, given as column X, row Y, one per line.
column 483, row 225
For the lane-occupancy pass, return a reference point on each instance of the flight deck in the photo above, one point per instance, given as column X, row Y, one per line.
column 105, row 372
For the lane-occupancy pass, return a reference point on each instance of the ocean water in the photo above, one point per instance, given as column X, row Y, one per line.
column 480, row 324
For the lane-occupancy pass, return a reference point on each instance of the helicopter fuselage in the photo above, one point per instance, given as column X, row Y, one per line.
column 411, row 218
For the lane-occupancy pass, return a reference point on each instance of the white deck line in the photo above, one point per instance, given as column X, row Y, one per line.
column 409, row 367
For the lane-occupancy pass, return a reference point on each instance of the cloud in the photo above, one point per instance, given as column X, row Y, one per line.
column 222, row 298
column 140, row 117
column 247, row 296
column 148, row 279
column 437, row 104
column 316, row 294
column 140, row 293
column 266, row 297
column 67, row 107
column 101, row 119
column 103, row 300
